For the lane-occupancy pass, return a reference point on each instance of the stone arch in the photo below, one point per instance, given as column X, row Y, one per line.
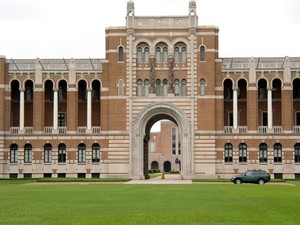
column 144, row 121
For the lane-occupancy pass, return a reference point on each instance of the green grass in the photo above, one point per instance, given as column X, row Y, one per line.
column 112, row 204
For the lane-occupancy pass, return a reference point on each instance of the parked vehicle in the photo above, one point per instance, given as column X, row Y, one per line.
column 252, row 176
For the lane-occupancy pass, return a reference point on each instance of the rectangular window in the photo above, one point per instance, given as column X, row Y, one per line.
column 96, row 154
column 61, row 119
column 174, row 141
column 152, row 147
column 297, row 119
column 47, row 156
column 81, row 155
column 61, row 155
column 27, row 156
column 230, row 119
column 264, row 121
column 14, row 156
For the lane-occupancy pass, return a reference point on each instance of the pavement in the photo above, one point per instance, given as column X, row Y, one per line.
column 168, row 179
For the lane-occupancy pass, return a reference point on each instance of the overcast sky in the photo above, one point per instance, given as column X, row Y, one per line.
column 76, row 28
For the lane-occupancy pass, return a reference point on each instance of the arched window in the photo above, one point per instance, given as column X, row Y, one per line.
column 28, row 91
column 158, row 55
column 177, row 88
column 183, row 54
column 242, row 152
column 139, row 88
column 146, row 91
column 176, row 55
column 139, row 55
column 263, row 153
column 146, row 58
column 202, row 53
column 81, row 153
column 202, row 87
column 277, row 153
column 27, row 153
column 183, row 87
column 158, row 87
column 120, row 87
column 13, row 153
column 297, row 153
column 62, row 153
column 121, row 54
column 228, row 153
column 95, row 153
column 47, row 153
column 165, row 87
column 62, row 91
column 165, row 54
column 82, row 93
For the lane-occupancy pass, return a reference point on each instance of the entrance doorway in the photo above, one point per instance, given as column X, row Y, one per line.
column 141, row 136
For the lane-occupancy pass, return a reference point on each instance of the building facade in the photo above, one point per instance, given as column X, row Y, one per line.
column 92, row 117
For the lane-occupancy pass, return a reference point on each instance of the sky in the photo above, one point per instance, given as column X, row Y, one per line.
column 76, row 28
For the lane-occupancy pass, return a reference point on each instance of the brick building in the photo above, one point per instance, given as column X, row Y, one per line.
column 92, row 117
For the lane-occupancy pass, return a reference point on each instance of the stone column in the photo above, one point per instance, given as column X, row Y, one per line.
column 235, row 108
column 55, row 109
column 89, row 110
column 22, row 109
column 270, row 109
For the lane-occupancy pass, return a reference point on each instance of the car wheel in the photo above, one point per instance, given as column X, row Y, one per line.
column 238, row 181
column 261, row 181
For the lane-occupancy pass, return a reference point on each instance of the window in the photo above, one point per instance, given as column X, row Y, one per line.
column 13, row 153
column 146, row 58
column 277, row 153
column 120, row 87
column 242, row 152
column 202, row 87
column 165, row 54
column 176, row 55
column 146, row 91
column 81, row 153
column 262, row 92
column 183, row 54
column 177, row 88
column 121, row 54
column 152, row 147
column 139, row 88
column 158, row 87
column 165, row 87
column 202, row 53
column 230, row 119
column 62, row 153
column 28, row 94
column 263, row 153
column 183, row 87
column 297, row 153
column 158, row 55
column 61, row 119
column 228, row 153
column 297, row 119
column 47, row 153
column 174, row 141
column 27, row 153
column 139, row 55
column 95, row 153
column 264, row 118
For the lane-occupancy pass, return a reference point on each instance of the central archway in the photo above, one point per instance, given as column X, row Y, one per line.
column 144, row 121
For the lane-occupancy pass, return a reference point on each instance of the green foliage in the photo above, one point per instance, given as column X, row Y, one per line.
column 112, row 204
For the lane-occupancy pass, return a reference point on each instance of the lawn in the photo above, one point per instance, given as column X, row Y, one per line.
column 124, row 204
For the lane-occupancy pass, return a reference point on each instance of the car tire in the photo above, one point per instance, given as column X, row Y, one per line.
column 238, row 181
column 261, row 181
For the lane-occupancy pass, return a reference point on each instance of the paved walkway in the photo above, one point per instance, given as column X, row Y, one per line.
column 169, row 179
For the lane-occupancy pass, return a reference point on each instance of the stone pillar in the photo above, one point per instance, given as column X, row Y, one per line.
column 89, row 110
column 22, row 109
column 235, row 109
column 55, row 109
column 270, row 109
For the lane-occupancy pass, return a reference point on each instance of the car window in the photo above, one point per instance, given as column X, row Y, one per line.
column 249, row 173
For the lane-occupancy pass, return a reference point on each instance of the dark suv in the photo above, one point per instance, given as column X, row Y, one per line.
column 252, row 176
